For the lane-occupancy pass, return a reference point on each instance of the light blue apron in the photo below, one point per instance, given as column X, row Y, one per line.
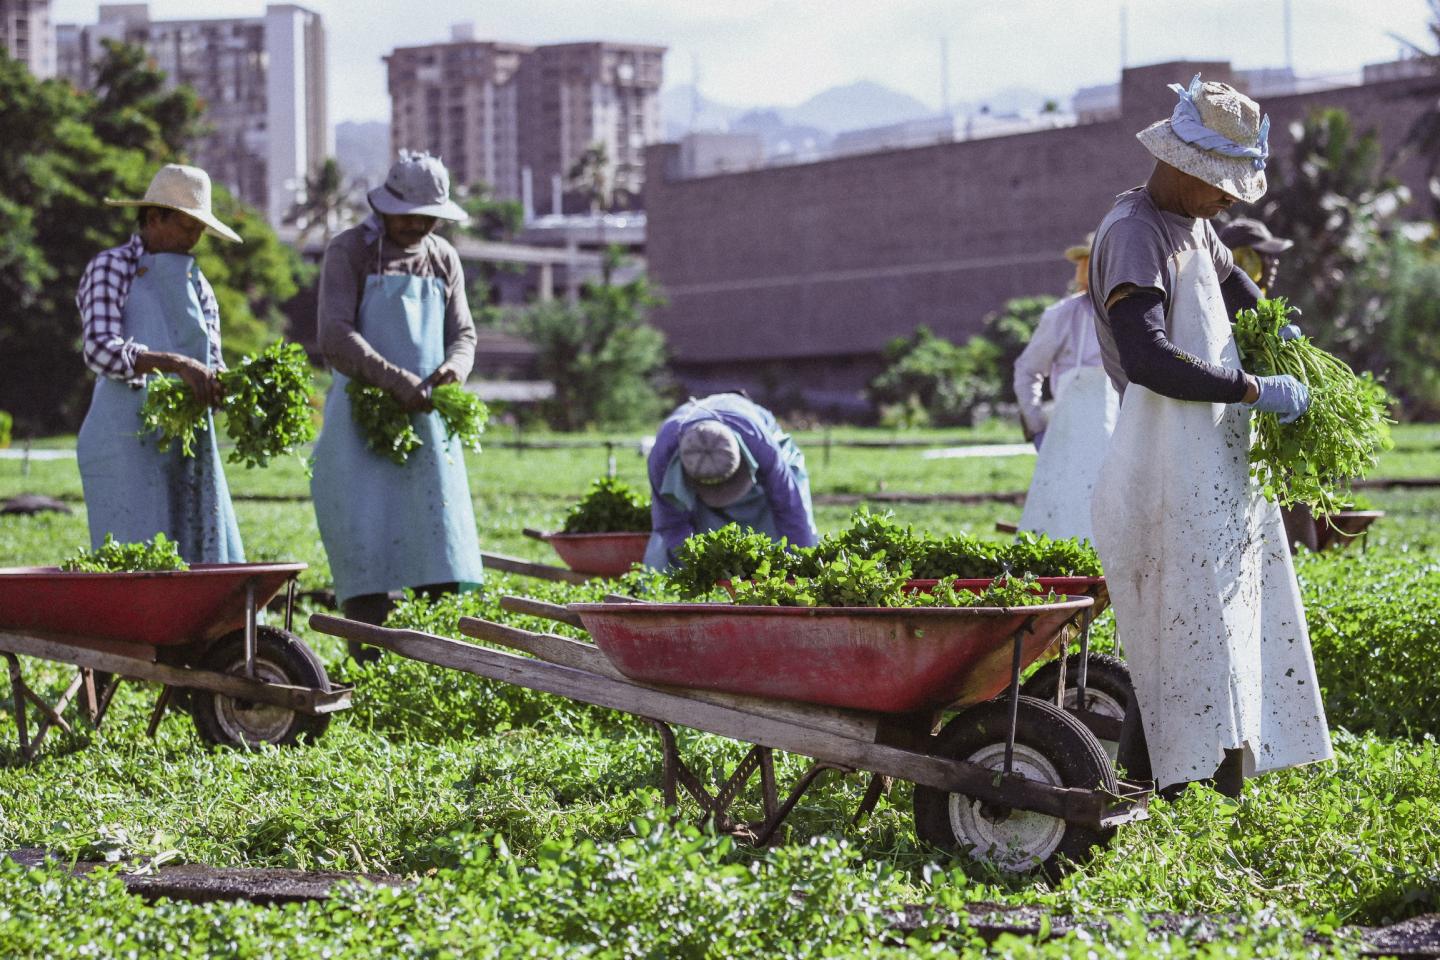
column 133, row 490
column 385, row 526
column 752, row 510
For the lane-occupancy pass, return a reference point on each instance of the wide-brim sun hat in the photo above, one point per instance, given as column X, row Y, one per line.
column 187, row 189
column 711, row 459
column 1216, row 134
column 418, row 185
column 1245, row 232
column 1081, row 251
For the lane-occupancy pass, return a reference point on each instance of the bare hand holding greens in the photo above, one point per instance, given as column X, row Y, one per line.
column 390, row 431
column 1313, row 460
column 267, row 407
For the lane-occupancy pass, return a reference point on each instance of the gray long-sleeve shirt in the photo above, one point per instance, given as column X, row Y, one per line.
column 363, row 251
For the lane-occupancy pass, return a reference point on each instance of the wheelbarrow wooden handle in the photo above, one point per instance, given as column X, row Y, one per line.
column 539, row 608
column 534, row 534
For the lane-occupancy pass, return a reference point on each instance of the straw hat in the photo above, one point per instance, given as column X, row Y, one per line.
column 710, row 457
column 1217, row 135
column 417, row 184
column 1081, row 251
column 187, row 189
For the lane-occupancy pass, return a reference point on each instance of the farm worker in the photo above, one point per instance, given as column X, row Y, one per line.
column 1206, row 603
column 393, row 314
column 146, row 308
column 724, row 459
column 1071, row 442
column 1255, row 249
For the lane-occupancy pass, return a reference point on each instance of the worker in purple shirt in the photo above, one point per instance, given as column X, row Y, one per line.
column 720, row 460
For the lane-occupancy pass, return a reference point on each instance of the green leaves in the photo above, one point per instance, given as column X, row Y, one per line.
column 1313, row 460
column 268, row 404
column 390, row 431
column 267, row 407
column 159, row 553
column 610, row 506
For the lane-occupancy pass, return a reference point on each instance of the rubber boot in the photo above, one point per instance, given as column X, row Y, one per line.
column 1133, row 754
column 1229, row 779
column 366, row 608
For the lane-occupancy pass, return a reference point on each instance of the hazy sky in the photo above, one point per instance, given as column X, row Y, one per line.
column 754, row 52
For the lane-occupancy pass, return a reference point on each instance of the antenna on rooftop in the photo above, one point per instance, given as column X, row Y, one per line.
column 1124, row 36
column 945, row 76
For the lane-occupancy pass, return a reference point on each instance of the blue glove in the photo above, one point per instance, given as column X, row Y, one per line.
column 1283, row 395
column 1290, row 331
column 1037, row 439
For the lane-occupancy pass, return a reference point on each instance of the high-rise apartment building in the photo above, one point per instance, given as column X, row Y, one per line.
column 494, row 111
column 262, row 80
column 27, row 35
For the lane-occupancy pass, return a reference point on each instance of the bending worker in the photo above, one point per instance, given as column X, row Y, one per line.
column 393, row 314
column 1206, row 603
column 1072, row 442
column 720, row 460
column 1256, row 250
column 146, row 308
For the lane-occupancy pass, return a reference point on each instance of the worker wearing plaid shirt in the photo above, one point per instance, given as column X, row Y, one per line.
column 147, row 309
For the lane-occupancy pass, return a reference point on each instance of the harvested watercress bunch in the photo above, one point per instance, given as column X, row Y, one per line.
column 267, row 407
column 1313, row 460
column 609, row 506
column 158, row 553
column 1045, row 556
column 462, row 413
column 731, row 553
column 267, row 404
column 383, row 423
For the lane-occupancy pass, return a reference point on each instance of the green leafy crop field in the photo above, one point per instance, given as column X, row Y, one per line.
column 532, row 826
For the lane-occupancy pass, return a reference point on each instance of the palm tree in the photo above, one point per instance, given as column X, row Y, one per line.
column 592, row 173
column 327, row 205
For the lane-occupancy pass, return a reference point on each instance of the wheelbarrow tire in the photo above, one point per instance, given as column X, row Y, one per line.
column 280, row 657
column 1051, row 746
column 1107, row 684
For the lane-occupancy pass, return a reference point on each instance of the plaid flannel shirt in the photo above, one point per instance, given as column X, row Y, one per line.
column 104, row 288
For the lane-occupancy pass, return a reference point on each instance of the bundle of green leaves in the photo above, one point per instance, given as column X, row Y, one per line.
column 158, row 553
column 390, row 431
column 1045, row 556
column 1314, row 459
column 732, row 553
column 383, row 423
column 869, row 535
column 267, row 407
column 609, row 506
column 850, row 581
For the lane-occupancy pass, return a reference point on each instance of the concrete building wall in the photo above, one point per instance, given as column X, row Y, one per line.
column 28, row 35
column 816, row 267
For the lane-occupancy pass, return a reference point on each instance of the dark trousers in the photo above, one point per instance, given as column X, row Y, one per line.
column 375, row 607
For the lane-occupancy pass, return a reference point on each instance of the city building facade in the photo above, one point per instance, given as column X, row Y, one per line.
column 810, row 270
column 28, row 36
column 519, row 117
column 262, row 79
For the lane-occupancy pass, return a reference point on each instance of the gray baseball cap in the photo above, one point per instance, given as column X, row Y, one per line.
column 1244, row 232
column 710, row 456
column 417, row 184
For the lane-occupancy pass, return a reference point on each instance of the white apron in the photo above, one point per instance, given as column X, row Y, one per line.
column 1086, row 406
column 1206, row 603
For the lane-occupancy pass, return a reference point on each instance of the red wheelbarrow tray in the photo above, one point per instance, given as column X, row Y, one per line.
column 880, row 659
column 159, row 608
column 601, row 554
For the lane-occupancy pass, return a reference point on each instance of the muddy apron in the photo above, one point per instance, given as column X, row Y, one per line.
column 1086, row 406
column 1199, row 573
column 385, row 526
column 132, row 489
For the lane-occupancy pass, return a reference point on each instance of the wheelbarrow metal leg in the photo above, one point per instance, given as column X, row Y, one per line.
column 1015, row 666
column 17, row 697
column 879, row 786
column 768, row 792
column 158, row 713
column 772, row 823
column 250, row 628
column 103, row 703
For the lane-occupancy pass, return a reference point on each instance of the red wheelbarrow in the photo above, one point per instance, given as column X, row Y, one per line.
column 194, row 631
column 1013, row 780
column 596, row 554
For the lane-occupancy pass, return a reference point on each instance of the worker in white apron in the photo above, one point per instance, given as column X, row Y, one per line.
column 1071, row 442
column 1206, row 602
column 147, row 308
column 1256, row 250
column 393, row 314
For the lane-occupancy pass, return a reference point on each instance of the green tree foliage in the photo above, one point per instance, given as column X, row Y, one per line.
column 607, row 362
column 928, row 379
column 492, row 220
column 329, row 203
column 63, row 152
